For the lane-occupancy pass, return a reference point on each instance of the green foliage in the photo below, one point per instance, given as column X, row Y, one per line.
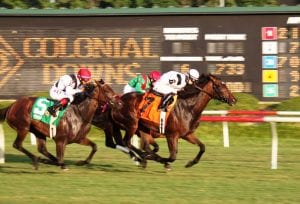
column 14, row 4
column 86, row 4
column 257, row 2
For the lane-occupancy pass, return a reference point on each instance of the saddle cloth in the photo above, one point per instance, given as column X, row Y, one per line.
column 149, row 108
column 39, row 111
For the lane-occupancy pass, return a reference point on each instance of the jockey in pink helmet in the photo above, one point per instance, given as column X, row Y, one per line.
column 66, row 87
column 141, row 82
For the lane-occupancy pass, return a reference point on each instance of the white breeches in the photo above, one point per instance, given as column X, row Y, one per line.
column 128, row 89
column 164, row 89
column 59, row 94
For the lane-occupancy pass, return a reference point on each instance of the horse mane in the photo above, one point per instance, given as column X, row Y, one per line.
column 190, row 90
column 81, row 96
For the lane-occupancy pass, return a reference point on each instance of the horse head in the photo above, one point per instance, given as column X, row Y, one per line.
column 218, row 89
column 103, row 93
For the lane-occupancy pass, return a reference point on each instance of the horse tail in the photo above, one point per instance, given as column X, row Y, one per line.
column 3, row 112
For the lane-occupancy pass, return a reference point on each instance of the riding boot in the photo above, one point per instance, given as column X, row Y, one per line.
column 57, row 105
column 52, row 109
column 165, row 101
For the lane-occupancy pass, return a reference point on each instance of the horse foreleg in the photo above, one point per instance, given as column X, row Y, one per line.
column 194, row 140
column 41, row 144
column 60, row 150
column 18, row 145
column 172, row 145
column 87, row 142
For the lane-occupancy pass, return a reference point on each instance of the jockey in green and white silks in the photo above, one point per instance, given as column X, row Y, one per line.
column 141, row 82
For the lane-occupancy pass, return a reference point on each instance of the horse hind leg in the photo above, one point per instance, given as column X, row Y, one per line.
column 87, row 142
column 41, row 143
column 194, row 140
column 18, row 144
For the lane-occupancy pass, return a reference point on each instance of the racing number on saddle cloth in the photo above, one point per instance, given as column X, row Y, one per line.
column 40, row 108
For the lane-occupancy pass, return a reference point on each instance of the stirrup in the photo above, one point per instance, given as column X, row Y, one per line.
column 52, row 111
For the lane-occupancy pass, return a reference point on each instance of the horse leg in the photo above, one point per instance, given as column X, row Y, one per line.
column 172, row 145
column 21, row 135
column 87, row 142
column 146, row 140
column 109, row 142
column 173, row 149
column 60, row 150
column 134, row 152
column 41, row 144
column 194, row 140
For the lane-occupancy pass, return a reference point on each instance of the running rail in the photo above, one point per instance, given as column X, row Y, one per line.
column 272, row 117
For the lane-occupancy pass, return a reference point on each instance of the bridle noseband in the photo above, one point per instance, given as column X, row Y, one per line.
column 216, row 93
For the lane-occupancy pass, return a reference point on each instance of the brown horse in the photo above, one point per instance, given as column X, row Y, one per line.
column 182, row 122
column 73, row 127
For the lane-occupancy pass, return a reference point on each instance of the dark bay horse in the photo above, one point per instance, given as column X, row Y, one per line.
column 73, row 127
column 182, row 122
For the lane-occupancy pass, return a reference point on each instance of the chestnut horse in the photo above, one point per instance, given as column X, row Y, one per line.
column 72, row 128
column 182, row 122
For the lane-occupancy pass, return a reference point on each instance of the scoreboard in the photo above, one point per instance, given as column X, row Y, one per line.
column 253, row 54
column 254, row 50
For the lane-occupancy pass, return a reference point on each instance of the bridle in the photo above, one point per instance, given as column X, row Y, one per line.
column 96, row 97
column 216, row 93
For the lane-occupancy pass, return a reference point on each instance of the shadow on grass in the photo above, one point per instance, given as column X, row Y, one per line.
column 16, row 163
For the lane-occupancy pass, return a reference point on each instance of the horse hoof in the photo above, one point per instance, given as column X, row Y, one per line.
column 142, row 164
column 168, row 167
column 64, row 168
column 81, row 163
column 189, row 164
column 36, row 167
column 35, row 163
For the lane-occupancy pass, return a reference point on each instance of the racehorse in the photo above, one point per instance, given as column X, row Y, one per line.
column 72, row 128
column 182, row 122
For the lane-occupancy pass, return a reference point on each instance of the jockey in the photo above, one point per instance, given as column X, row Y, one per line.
column 171, row 82
column 141, row 82
column 66, row 87
column 168, row 85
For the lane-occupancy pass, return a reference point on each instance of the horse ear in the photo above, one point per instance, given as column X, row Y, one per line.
column 101, row 81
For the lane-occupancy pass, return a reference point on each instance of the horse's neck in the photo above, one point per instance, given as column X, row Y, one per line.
column 199, row 101
column 87, row 109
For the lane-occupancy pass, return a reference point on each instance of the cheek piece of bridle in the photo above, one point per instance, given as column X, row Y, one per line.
column 216, row 93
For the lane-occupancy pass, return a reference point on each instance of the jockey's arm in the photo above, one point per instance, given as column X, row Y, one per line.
column 137, row 83
column 71, row 91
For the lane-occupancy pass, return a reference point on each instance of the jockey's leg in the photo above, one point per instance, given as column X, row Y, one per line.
column 59, row 104
column 165, row 101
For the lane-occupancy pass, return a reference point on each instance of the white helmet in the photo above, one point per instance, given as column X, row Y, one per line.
column 194, row 74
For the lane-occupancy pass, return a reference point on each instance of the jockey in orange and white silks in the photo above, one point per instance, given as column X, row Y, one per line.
column 168, row 85
column 66, row 87
column 173, row 81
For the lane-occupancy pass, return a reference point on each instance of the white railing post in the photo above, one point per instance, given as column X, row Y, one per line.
column 225, row 133
column 32, row 139
column 274, row 145
column 2, row 145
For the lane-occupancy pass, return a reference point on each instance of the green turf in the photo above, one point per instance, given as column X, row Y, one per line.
column 238, row 174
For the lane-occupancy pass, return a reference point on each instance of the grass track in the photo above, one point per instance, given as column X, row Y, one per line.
column 239, row 174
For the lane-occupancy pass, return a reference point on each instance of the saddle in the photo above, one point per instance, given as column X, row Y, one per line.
column 149, row 107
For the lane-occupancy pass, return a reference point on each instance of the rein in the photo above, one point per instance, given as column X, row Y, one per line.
column 201, row 89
